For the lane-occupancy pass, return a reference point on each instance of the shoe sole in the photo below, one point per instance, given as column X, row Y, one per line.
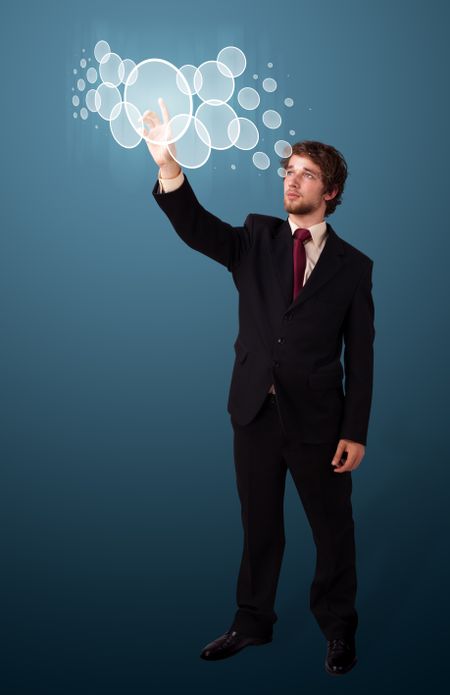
column 219, row 657
column 340, row 673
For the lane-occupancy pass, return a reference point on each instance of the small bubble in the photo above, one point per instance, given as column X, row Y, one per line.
column 270, row 65
column 83, row 63
column 292, row 132
column 289, row 102
column 75, row 71
column 83, row 50
column 309, row 108
column 75, row 115
column 255, row 76
column 233, row 166
column 96, row 126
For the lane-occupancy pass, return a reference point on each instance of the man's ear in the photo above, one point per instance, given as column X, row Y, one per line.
column 333, row 194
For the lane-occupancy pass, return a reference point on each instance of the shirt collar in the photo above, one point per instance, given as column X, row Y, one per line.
column 318, row 231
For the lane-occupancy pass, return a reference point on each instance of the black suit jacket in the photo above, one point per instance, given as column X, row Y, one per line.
column 297, row 344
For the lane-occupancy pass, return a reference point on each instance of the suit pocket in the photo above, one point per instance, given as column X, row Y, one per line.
column 241, row 351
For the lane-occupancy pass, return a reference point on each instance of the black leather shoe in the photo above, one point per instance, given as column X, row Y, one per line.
column 341, row 656
column 229, row 644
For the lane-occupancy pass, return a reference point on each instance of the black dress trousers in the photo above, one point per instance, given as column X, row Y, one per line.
column 262, row 456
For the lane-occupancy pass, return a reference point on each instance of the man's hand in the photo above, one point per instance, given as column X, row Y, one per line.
column 156, row 134
column 352, row 454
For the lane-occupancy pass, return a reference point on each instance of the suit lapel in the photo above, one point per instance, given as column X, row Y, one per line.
column 330, row 261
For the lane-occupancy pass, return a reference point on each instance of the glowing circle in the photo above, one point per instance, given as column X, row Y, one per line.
column 84, row 113
column 124, row 131
column 109, row 69
column 152, row 79
column 292, row 132
column 261, row 160
column 233, row 58
column 193, row 147
column 106, row 98
column 213, row 82
column 281, row 171
column 75, row 100
column 83, row 63
column 243, row 133
column 75, row 115
column 91, row 75
column 90, row 100
column 248, row 98
column 101, row 49
column 271, row 119
column 125, row 68
column 269, row 84
column 81, row 84
column 289, row 102
column 188, row 72
column 217, row 119
column 283, row 148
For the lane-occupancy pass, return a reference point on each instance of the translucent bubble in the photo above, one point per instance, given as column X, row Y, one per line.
column 81, row 84
column 125, row 68
column 193, row 148
column 292, row 132
column 271, row 119
column 75, row 71
column 248, row 98
column 269, row 84
column 73, row 89
column 281, row 171
column 261, row 160
column 188, row 72
column 83, row 63
column 83, row 50
column 106, row 98
column 109, row 69
column 213, row 83
column 243, row 133
column 152, row 79
column 84, row 113
column 283, row 148
column 255, row 76
column 124, row 131
column 270, row 65
column 234, row 59
column 90, row 100
column 75, row 100
column 217, row 118
column 289, row 102
column 91, row 75
column 101, row 49
column 233, row 166
column 75, row 115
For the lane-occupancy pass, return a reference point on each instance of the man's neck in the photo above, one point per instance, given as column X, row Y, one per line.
column 306, row 221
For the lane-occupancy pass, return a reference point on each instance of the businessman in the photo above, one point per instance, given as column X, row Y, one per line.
column 304, row 294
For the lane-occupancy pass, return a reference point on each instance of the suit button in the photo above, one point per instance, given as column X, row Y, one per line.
column 280, row 340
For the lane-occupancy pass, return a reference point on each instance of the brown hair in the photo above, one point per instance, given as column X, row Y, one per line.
column 331, row 163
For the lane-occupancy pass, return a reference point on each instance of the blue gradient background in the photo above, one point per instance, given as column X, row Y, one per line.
column 119, row 517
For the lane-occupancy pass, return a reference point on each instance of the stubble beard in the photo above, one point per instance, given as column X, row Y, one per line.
column 300, row 208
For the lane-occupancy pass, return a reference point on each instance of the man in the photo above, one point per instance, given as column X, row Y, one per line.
column 303, row 292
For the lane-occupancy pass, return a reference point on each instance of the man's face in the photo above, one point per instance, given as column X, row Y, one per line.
column 303, row 187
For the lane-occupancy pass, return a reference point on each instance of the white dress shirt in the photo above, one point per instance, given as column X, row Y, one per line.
column 313, row 247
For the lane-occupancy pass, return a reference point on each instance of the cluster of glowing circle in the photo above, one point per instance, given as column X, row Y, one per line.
column 271, row 119
column 191, row 145
column 153, row 79
column 213, row 82
column 234, row 59
column 248, row 98
column 261, row 160
column 243, row 133
column 217, row 119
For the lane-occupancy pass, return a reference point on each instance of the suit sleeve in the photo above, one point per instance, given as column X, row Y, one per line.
column 203, row 231
column 359, row 335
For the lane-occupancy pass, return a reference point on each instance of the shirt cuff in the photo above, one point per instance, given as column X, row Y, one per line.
column 168, row 185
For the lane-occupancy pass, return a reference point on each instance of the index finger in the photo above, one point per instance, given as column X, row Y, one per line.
column 164, row 111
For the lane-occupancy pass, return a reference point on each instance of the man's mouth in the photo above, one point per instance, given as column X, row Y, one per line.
column 292, row 194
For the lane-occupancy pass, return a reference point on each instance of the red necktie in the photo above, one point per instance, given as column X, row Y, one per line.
column 300, row 237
